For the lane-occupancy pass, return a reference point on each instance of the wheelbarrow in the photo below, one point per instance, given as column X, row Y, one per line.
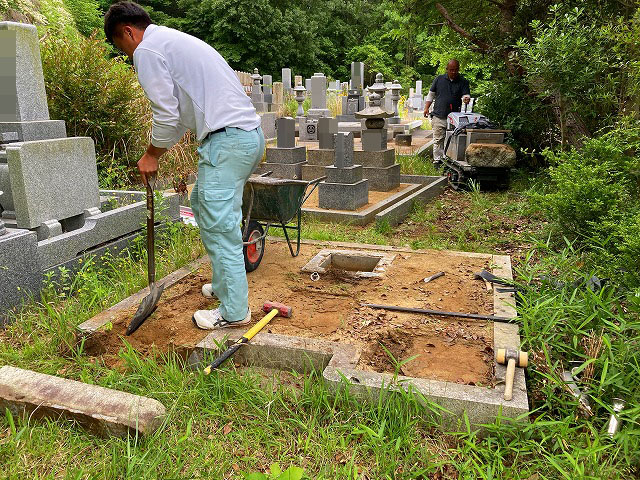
column 272, row 202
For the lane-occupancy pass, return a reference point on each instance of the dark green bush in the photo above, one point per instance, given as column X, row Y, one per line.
column 86, row 15
column 98, row 97
column 593, row 198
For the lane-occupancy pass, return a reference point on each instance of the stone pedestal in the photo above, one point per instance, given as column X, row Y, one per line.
column 308, row 128
column 374, row 139
column 343, row 196
column 317, row 160
column 344, row 189
column 379, row 168
column 285, row 160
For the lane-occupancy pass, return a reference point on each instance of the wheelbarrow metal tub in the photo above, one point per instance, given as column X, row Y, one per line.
column 276, row 202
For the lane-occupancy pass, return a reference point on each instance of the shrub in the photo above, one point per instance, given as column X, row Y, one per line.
column 86, row 15
column 593, row 198
column 98, row 97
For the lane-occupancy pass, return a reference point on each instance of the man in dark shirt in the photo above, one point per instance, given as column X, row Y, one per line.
column 449, row 91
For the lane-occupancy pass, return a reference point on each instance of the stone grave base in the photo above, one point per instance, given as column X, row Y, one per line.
column 332, row 333
column 391, row 206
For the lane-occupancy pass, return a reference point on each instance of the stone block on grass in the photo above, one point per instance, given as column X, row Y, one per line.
column 100, row 410
column 20, row 274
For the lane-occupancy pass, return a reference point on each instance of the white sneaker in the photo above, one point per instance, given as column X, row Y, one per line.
column 207, row 290
column 212, row 320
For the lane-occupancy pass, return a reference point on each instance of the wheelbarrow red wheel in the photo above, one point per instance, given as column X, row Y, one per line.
column 253, row 252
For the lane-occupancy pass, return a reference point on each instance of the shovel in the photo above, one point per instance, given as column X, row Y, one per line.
column 150, row 302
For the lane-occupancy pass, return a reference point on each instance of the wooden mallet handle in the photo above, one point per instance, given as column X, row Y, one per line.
column 511, row 370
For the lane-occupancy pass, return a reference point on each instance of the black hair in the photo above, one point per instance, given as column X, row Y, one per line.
column 125, row 13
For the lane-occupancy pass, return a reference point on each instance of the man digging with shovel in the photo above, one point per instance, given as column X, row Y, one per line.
column 190, row 86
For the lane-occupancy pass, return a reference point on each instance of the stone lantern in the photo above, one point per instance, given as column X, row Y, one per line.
column 377, row 91
column 300, row 93
column 257, row 88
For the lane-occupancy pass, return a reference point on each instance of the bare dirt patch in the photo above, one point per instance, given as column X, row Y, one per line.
column 329, row 308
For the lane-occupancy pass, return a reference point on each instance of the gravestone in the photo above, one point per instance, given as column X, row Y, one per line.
column 344, row 188
column 70, row 186
column 286, row 80
column 388, row 104
column 50, row 201
column 307, row 85
column 23, row 99
column 318, row 159
column 267, row 89
column 298, row 80
column 318, row 96
column 278, row 96
column 417, row 102
column 357, row 76
column 285, row 160
column 327, row 128
column 377, row 160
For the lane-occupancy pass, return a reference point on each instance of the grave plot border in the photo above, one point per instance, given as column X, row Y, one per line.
column 393, row 208
column 338, row 361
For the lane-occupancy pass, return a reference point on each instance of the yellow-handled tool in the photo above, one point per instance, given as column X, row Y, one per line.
column 274, row 310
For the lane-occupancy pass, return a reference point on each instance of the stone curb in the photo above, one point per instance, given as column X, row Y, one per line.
column 100, row 410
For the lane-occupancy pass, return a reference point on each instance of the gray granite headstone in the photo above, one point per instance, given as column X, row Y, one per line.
column 357, row 76
column 22, row 94
column 52, row 179
column 286, row 80
column 318, row 91
column 307, row 85
column 327, row 128
column 286, row 128
column 267, row 84
column 343, row 145
column 418, row 87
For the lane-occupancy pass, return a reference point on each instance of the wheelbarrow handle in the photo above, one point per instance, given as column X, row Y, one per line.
column 314, row 183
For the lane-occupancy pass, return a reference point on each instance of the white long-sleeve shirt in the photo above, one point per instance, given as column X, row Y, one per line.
column 190, row 86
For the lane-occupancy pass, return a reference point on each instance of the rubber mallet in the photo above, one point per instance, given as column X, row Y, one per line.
column 273, row 309
column 511, row 358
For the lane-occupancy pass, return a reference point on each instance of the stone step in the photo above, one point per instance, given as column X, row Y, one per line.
column 101, row 410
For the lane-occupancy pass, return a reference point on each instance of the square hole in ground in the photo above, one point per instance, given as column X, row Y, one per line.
column 357, row 263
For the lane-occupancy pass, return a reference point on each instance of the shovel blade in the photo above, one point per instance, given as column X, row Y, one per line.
column 146, row 308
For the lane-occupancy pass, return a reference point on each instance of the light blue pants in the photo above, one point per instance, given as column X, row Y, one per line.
column 227, row 159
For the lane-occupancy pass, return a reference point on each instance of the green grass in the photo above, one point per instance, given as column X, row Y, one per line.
column 416, row 165
column 244, row 420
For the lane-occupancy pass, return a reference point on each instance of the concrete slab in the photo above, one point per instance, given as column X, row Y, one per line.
column 101, row 410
